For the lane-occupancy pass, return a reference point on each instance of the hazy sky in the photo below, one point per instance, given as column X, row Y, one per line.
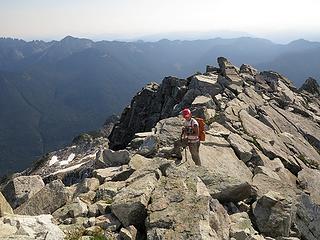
column 44, row 19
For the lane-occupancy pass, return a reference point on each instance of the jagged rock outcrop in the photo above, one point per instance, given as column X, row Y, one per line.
column 310, row 86
column 259, row 175
column 151, row 104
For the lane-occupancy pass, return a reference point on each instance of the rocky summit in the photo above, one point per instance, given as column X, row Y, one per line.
column 259, row 176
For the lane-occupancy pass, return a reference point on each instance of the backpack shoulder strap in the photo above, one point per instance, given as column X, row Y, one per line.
column 194, row 120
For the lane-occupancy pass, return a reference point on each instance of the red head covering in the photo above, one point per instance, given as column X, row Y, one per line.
column 186, row 113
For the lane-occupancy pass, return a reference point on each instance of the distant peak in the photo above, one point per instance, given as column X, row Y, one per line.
column 68, row 38
column 72, row 39
column 300, row 40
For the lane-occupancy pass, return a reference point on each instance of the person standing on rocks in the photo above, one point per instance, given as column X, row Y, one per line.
column 190, row 133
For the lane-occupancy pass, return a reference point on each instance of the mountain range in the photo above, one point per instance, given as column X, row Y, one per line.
column 51, row 92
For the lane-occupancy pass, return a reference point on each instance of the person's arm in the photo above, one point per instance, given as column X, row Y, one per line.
column 183, row 133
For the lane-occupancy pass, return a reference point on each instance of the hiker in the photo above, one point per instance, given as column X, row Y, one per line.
column 190, row 133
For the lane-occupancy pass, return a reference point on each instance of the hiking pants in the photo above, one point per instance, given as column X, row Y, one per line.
column 194, row 150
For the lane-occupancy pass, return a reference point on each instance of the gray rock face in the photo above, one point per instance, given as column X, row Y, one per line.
column 5, row 207
column 263, row 184
column 227, row 177
column 203, row 101
column 219, row 220
column 22, row 188
column 270, row 143
column 30, row 227
column 115, row 158
column 46, row 201
column 308, row 128
column 108, row 190
column 274, row 214
column 308, row 218
column 130, row 204
column 167, row 218
column 204, row 107
column 241, row 147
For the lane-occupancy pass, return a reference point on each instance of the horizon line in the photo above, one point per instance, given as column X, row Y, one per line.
column 155, row 40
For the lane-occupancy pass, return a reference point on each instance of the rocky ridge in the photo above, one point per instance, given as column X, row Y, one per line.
column 259, row 177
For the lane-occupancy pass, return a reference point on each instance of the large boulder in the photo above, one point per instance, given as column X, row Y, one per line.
column 22, row 188
column 170, row 215
column 130, row 203
column 30, row 227
column 108, row 222
column 149, row 146
column 206, row 84
column 168, row 131
column 203, row 101
column 128, row 233
column 274, row 214
column 307, row 218
column 108, row 190
column 70, row 164
column 115, row 158
column 242, row 148
column 46, row 201
column 5, row 207
column 227, row 177
column 263, row 183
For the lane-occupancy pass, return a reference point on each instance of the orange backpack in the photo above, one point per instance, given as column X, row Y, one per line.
column 202, row 134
